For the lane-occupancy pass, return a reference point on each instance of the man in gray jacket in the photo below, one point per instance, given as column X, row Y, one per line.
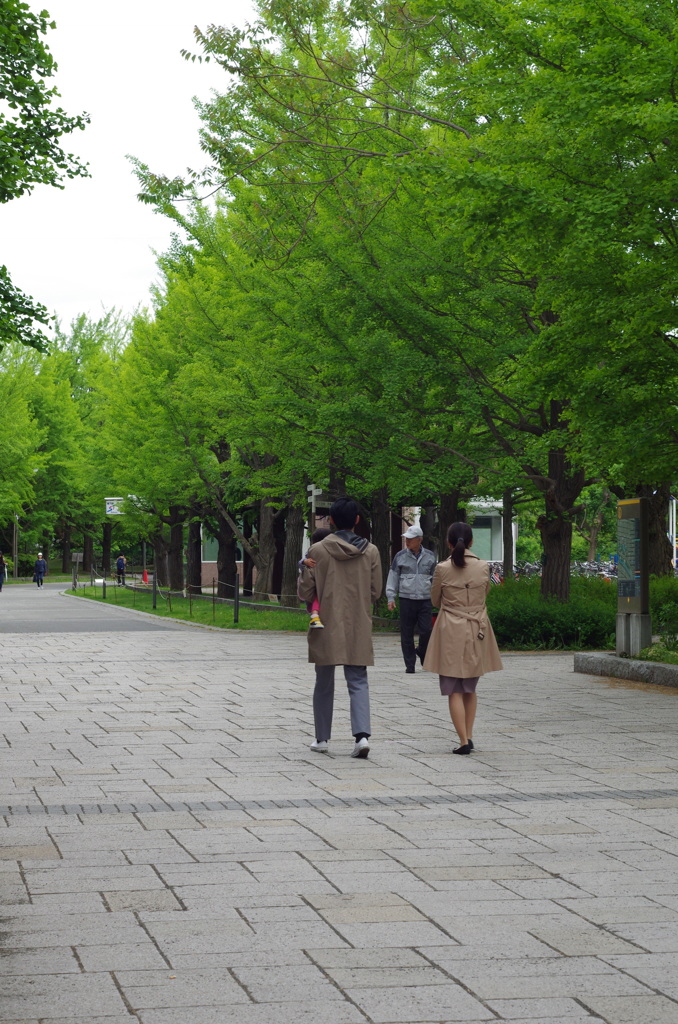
column 410, row 579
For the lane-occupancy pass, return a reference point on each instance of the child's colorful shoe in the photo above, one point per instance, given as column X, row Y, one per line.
column 315, row 622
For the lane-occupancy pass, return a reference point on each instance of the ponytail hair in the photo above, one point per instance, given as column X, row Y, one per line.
column 459, row 537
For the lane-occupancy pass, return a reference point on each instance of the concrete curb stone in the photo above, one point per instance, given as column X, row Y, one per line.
column 593, row 664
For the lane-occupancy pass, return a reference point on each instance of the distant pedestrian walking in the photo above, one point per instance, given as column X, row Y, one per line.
column 346, row 579
column 410, row 580
column 121, row 568
column 463, row 645
column 40, row 569
column 3, row 569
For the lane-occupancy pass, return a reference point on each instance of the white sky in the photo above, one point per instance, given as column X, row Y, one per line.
column 88, row 247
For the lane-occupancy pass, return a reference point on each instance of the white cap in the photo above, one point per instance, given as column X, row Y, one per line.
column 413, row 531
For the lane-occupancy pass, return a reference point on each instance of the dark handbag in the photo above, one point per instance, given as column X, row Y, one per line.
column 35, row 577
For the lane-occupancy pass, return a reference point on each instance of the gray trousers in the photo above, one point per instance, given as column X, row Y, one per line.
column 323, row 699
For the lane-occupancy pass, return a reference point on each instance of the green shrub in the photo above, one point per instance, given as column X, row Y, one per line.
column 663, row 594
column 658, row 652
column 523, row 620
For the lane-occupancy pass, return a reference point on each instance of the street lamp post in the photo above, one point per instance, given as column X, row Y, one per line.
column 15, row 547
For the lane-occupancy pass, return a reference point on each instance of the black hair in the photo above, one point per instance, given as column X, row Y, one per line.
column 344, row 512
column 319, row 534
column 459, row 537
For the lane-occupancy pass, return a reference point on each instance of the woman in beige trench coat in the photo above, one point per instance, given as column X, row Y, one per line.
column 462, row 646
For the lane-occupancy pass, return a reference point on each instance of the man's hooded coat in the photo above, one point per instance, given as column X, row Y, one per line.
column 347, row 579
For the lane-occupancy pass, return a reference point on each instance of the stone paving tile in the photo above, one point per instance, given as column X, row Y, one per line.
column 117, row 1019
column 120, row 957
column 434, row 1002
column 108, row 1019
column 154, row 899
column 582, row 941
column 60, row 994
column 39, row 930
column 287, row 984
column 634, row 1010
column 154, row 989
column 334, row 1012
column 364, row 959
column 384, row 977
column 38, row 961
column 395, row 933
column 618, row 910
column 655, row 938
column 556, row 1009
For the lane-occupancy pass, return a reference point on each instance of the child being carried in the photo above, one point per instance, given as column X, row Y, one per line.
column 313, row 607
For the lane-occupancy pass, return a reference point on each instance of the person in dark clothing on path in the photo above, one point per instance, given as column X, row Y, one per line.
column 120, row 567
column 3, row 569
column 40, row 569
column 410, row 579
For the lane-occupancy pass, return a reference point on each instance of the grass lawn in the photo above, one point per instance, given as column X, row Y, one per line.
column 198, row 610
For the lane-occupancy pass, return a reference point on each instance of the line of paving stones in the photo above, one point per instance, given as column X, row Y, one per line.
column 352, row 802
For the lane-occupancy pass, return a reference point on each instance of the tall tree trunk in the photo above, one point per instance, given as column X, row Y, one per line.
column 265, row 550
column 247, row 563
column 381, row 530
column 507, row 531
column 66, row 565
column 555, row 525
column 279, row 539
column 659, row 545
column 194, row 558
column 429, row 525
column 106, row 548
column 160, row 569
column 294, row 538
column 226, row 558
column 556, row 539
column 87, row 552
column 449, row 511
column 175, row 553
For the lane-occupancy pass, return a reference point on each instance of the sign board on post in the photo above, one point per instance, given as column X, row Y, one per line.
column 113, row 506
column 634, row 630
column 633, row 581
column 314, row 493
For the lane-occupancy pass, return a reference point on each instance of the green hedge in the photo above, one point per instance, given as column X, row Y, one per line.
column 663, row 591
column 523, row 620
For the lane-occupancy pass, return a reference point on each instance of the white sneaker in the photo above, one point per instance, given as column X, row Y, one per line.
column 361, row 749
column 320, row 746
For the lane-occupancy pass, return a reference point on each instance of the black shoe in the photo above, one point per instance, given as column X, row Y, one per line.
column 470, row 745
column 409, row 671
column 462, row 750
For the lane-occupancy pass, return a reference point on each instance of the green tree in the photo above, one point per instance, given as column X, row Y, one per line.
column 30, row 152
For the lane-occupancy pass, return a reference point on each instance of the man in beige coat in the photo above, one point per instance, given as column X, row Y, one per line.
column 347, row 579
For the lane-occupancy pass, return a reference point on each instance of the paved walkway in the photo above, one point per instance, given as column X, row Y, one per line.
column 172, row 853
column 26, row 608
